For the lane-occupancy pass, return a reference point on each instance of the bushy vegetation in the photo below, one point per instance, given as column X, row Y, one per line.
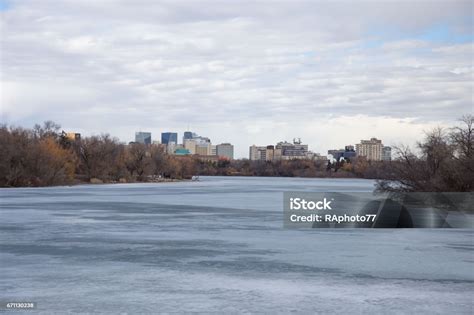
column 442, row 162
column 34, row 157
column 44, row 156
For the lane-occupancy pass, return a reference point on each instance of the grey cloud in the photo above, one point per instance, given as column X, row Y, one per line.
column 114, row 66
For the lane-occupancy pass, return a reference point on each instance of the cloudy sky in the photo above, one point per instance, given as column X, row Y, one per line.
column 329, row 72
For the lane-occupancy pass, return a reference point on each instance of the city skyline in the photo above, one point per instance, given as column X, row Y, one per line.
column 247, row 73
column 372, row 149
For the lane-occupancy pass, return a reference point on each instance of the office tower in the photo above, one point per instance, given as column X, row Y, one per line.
column 143, row 137
column 203, row 148
column 225, row 150
column 371, row 149
column 188, row 135
column 167, row 137
column 257, row 153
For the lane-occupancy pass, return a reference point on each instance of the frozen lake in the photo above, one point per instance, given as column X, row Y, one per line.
column 218, row 245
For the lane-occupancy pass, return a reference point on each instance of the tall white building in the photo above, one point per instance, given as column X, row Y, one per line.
column 257, row 153
column 371, row 149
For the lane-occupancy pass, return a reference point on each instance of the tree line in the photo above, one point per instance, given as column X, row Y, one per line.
column 45, row 156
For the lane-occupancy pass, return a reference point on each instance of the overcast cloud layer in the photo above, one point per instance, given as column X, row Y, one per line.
column 331, row 73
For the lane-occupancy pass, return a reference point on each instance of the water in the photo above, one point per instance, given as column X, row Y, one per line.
column 218, row 245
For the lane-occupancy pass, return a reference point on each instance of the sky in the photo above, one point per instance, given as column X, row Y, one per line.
column 328, row 72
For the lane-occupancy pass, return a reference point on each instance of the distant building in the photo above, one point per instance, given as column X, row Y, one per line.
column 190, row 145
column 143, row 137
column 347, row 153
column 257, row 153
column 225, row 150
column 290, row 151
column 349, row 149
column 270, row 153
column 197, row 144
column 188, row 135
column 386, row 153
column 203, row 148
column 281, row 151
column 167, row 137
column 371, row 149
column 213, row 150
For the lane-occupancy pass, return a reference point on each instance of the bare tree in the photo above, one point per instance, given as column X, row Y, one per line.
column 462, row 137
column 445, row 162
column 138, row 160
column 50, row 129
column 101, row 157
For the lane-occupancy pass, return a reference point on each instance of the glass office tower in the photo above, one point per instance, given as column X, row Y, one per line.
column 167, row 137
column 143, row 137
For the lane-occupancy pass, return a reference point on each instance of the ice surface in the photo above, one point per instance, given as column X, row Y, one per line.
column 218, row 245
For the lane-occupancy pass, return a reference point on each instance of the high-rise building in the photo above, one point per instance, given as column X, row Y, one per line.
column 225, row 150
column 167, row 137
column 203, row 148
column 386, row 153
column 257, row 153
column 371, row 149
column 190, row 145
column 269, row 153
column 188, row 135
column 143, row 137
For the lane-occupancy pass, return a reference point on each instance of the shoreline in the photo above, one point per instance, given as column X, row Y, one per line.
column 83, row 183
column 175, row 180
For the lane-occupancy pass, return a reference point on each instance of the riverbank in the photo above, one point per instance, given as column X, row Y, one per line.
column 96, row 181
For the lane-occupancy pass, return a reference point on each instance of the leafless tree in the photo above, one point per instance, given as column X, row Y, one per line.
column 445, row 162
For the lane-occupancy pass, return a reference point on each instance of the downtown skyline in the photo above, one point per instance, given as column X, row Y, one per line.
column 328, row 73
